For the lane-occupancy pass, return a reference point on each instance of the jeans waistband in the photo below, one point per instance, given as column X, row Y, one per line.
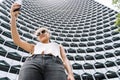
column 43, row 55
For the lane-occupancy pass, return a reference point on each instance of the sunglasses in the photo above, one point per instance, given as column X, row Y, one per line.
column 42, row 32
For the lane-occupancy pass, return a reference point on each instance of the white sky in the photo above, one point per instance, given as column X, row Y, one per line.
column 107, row 3
column 1, row 1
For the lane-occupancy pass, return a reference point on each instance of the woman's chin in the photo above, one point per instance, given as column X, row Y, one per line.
column 42, row 40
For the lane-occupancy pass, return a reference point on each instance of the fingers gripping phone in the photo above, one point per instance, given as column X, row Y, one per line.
column 20, row 3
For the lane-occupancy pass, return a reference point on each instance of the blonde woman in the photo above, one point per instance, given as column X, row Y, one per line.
column 48, row 59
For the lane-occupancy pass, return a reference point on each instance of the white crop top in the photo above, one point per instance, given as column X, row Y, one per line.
column 52, row 48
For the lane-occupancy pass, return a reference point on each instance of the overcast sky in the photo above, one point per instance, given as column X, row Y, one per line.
column 1, row 1
column 107, row 3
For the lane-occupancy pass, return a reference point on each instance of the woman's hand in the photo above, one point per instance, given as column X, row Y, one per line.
column 14, row 7
column 70, row 77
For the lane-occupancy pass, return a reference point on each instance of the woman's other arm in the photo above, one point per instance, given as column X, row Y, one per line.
column 66, row 63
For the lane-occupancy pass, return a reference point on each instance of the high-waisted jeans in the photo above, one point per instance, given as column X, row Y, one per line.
column 42, row 67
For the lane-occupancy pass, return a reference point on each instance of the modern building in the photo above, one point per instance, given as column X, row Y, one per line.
column 84, row 27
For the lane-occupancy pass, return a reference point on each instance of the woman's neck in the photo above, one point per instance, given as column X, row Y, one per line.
column 45, row 42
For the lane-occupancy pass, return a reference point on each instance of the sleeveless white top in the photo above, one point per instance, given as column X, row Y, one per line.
column 52, row 48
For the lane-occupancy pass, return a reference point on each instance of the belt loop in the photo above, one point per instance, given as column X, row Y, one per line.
column 34, row 55
column 54, row 58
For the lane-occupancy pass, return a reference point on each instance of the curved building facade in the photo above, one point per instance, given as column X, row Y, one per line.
column 84, row 27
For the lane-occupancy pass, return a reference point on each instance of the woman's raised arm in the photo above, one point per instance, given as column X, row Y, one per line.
column 15, row 35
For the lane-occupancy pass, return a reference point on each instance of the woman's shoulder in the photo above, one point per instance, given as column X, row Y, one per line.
column 55, row 43
column 58, row 44
column 38, row 43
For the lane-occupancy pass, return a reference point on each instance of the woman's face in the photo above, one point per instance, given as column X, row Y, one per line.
column 43, row 35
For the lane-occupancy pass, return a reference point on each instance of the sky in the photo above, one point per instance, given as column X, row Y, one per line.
column 1, row 1
column 107, row 3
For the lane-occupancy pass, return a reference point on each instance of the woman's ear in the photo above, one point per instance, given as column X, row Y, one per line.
column 37, row 38
column 35, row 33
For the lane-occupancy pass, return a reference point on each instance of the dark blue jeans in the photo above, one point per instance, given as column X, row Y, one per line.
column 42, row 67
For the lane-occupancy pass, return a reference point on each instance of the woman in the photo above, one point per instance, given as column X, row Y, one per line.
column 48, row 59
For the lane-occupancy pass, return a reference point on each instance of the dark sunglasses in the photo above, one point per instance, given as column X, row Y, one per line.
column 42, row 32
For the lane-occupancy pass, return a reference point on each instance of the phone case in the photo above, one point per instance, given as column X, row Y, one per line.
column 20, row 3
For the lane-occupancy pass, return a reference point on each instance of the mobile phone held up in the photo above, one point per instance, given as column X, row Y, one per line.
column 19, row 2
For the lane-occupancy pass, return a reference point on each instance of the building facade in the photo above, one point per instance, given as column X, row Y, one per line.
column 84, row 27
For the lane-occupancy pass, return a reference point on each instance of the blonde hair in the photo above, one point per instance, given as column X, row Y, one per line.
column 41, row 28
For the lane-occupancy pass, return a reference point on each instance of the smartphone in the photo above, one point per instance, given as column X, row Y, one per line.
column 20, row 3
